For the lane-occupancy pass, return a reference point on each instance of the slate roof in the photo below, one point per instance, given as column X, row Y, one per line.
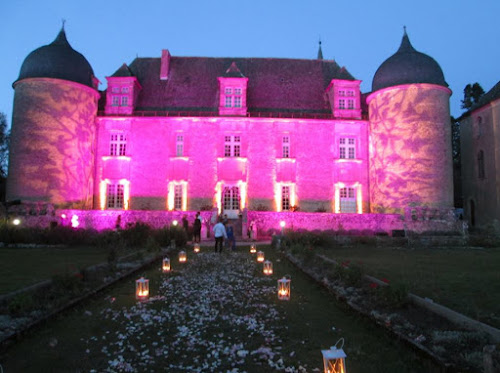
column 123, row 71
column 274, row 84
column 57, row 60
column 492, row 95
column 407, row 66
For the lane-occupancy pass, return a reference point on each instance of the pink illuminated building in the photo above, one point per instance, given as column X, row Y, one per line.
column 234, row 134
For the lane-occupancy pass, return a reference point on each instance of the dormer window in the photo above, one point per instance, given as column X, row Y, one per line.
column 233, row 88
column 122, row 92
column 345, row 98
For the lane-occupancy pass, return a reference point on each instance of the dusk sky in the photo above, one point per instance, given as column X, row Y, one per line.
column 461, row 35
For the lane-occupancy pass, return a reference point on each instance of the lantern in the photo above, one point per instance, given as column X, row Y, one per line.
column 142, row 289
column 284, row 288
column 253, row 249
column 182, row 257
column 260, row 256
column 174, row 223
column 196, row 247
column 268, row 268
column 334, row 359
column 16, row 221
column 165, row 266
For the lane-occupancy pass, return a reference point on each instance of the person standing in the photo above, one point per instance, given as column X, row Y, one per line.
column 231, row 240
column 219, row 234
column 185, row 225
column 197, row 228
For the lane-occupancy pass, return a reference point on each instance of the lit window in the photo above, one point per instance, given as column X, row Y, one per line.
column 115, row 196
column 179, row 146
column 118, row 144
column 116, row 101
column 178, row 197
column 347, row 200
column 232, row 146
column 480, row 165
column 341, row 104
column 347, row 148
column 285, row 146
column 231, row 198
column 285, row 198
column 124, row 101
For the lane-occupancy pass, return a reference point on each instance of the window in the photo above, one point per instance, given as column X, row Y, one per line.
column 480, row 165
column 342, row 104
column 232, row 146
column 347, row 148
column 285, row 146
column 347, row 200
column 124, row 89
column 350, row 104
column 350, row 93
column 115, row 89
column 179, row 146
column 124, row 101
column 285, row 198
column 118, row 144
column 116, row 101
column 115, row 196
column 231, row 198
column 232, row 97
column 342, row 93
column 178, row 197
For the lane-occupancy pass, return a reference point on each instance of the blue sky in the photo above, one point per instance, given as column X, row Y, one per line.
column 461, row 35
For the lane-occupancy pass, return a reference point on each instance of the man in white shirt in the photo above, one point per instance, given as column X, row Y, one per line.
column 219, row 233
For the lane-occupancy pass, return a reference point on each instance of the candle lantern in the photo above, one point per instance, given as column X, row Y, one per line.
column 334, row 359
column 253, row 249
column 260, row 256
column 182, row 257
column 284, row 288
column 268, row 267
column 142, row 289
column 165, row 266
column 196, row 248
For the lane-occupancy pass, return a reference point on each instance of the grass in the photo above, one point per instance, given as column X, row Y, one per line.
column 24, row 266
column 88, row 337
column 463, row 279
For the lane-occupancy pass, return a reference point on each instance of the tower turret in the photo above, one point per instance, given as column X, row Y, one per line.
column 410, row 143
column 53, row 128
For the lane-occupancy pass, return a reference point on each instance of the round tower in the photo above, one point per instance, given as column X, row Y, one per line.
column 53, row 128
column 410, row 134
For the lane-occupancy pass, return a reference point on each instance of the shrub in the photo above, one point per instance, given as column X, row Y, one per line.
column 21, row 304
column 393, row 295
column 136, row 235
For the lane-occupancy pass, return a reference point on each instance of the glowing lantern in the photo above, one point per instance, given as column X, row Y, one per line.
column 174, row 223
column 268, row 268
column 196, row 248
column 260, row 256
column 182, row 257
column 16, row 221
column 165, row 266
column 142, row 289
column 282, row 224
column 253, row 249
column 74, row 221
column 334, row 359
column 284, row 288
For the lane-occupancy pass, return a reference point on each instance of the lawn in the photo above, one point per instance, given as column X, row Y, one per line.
column 24, row 266
column 216, row 313
column 464, row 279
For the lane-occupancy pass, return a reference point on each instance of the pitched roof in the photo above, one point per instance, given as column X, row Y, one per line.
column 123, row 71
column 233, row 72
column 492, row 95
column 274, row 84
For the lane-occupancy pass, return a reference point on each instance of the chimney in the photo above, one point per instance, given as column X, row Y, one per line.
column 165, row 64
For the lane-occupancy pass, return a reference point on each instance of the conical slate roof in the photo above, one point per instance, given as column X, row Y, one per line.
column 57, row 60
column 408, row 66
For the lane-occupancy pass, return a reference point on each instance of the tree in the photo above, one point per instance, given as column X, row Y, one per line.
column 472, row 94
column 4, row 145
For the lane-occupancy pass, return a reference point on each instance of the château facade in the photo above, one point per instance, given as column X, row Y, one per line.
column 256, row 134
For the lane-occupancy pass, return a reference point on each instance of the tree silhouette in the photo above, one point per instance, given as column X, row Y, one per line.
column 472, row 94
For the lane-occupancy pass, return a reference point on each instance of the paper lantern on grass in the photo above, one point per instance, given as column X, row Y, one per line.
column 182, row 257
column 284, row 288
column 142, row 289
column 268, row 267
column 334, row 359
column 260, row 256
column 196, row 248
column 253, row 249
column 165, row 266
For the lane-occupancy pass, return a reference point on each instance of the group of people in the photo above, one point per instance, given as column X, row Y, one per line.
column 223, row 230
